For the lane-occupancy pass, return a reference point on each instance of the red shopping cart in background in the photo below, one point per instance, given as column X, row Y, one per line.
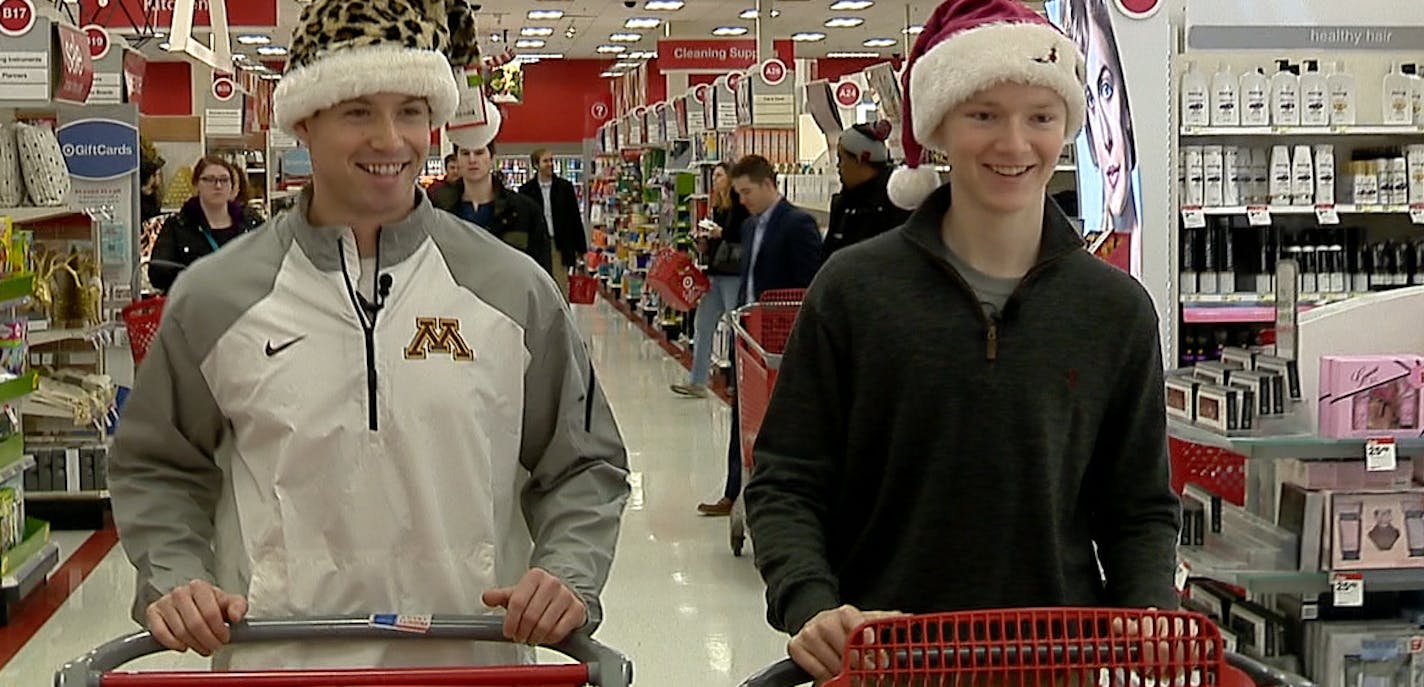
column 678, row 281
column 598, row 665
column 762, row 330
column 141, row 318
column 1039, row 647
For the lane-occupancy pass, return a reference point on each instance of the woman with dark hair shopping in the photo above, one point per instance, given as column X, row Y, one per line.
column 207, row 222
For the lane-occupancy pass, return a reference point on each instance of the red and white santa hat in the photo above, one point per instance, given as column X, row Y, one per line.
column 966, row 47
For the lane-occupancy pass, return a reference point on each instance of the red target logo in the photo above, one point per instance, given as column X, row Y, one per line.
column 1139, row 9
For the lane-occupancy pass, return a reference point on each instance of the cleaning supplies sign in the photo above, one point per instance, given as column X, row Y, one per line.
column 99, row 149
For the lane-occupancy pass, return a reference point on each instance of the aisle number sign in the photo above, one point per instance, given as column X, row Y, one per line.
column 224, row 88
column 17, row 17
column 848, row 94
column 24, row 52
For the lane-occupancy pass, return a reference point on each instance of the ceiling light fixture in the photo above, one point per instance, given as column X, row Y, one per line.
column 538, row 31
column 663, row 5
column 529, row 43
column 730, row 31
column 914, row 30
column 496, row 37
column 272, row 51
column 541, row 56
column 880, row 42
column 849, row 53
column 851, row 5
column 808, row 36
column 752, row 14
column 545, row 14
column 625, row 37
column 611, row 74
column 645, row 55
column 247, row 39
column 642, row 23
column 239, row 57
column 844, row 22
column 611, row 49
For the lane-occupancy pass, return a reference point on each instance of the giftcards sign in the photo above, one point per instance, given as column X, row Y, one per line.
column 99, row 149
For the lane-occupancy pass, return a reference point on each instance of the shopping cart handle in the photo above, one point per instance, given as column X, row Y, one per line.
column 606, row 666
column 783, row 673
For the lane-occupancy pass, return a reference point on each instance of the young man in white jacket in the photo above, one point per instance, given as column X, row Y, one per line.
column 369, row 406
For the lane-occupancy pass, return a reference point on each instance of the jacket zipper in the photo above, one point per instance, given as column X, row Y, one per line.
column 991, row 332
column 368, row 329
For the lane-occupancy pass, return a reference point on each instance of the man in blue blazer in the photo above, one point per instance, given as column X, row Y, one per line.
column 781, row 249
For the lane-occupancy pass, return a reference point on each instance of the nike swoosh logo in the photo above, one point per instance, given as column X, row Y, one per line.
column 274, row 350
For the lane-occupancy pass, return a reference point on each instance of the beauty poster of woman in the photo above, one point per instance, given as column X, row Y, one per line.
column 1109, row 193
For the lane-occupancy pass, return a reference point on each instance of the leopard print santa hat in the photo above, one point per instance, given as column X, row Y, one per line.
column 344, row 49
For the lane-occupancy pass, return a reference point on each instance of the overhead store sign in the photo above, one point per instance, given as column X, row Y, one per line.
column 24, row 53
column 717, row 54
column 74, row 67
column 135, row 65
column 131, row 14
column 17, row 17
column 99, row 149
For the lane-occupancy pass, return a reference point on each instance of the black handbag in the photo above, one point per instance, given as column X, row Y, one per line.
column 728, row 258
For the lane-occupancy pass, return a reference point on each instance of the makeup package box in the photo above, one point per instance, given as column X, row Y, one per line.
column 1371, row 396
column 1182, row 396
column 1344, row 474
column 1381, row 653
column 1376, row 529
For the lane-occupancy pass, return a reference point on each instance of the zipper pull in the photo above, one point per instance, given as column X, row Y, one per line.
column 993, row 341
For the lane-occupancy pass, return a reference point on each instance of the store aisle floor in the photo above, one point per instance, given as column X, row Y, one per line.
column 678, row 603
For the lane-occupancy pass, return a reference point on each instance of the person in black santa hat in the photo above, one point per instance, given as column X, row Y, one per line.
column 969, row 412
column 862, row 209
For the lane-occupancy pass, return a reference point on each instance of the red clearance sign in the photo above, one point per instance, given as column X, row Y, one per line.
column 718, row 54
column 75, row 67
column 115, row 14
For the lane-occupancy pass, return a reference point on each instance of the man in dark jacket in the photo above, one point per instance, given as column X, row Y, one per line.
column 862, row 209
column 480, row 198
column 559, row 203
column 781, row 249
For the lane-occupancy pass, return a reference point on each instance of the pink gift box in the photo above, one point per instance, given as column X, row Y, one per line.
column 1371, row 396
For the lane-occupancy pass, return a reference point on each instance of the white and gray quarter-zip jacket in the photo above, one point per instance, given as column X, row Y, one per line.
column 322, row 455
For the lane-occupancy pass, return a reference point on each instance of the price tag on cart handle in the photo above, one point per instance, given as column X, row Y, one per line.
column 1259, row 215
column 1348, row 589
column 1193, row 217
column 1380, row 455
column 1326, row 214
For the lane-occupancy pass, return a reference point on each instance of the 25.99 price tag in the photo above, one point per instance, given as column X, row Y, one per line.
column 1348, row 589
column 1380, row 455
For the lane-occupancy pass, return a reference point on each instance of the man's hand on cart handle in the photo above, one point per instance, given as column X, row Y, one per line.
column 541, row 608
column 821, row 643
column 195, row 616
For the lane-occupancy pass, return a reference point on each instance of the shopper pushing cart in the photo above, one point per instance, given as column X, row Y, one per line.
column 969, row 411
column 368, row 404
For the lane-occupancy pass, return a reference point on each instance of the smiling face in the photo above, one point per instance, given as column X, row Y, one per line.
column 1105, row 120
column 1002, row 146
column 366, row 154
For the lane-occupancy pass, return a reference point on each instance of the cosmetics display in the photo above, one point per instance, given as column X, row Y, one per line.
column 1379, row 653
column 1371, row 396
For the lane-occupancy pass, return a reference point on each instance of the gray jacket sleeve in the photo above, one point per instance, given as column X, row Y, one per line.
column 163, row 480
column 578, row 465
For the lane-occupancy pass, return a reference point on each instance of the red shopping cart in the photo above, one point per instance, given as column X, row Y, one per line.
column 598, row 665
column 1039, row 647
column 141, row 318
column 762, row 330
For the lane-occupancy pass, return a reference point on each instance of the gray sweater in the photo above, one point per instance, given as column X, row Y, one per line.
column 920, row 456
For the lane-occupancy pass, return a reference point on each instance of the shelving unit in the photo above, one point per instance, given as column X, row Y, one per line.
column 1312, row 131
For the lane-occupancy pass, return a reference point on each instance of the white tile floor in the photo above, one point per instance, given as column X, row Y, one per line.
column 677, row 602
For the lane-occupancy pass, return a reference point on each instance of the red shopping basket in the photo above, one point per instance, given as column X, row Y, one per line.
column 677, row 279
column 762, row 333
column 142, row 318
column 583, row 289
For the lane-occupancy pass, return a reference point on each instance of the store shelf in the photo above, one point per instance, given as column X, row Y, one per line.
column 29, row 214
column 19, row 562
column 19, row 387
column 1246, row 308
column 16, row 468
column 15, row 290
column 1283, row 438
column 32, row 409
column 1203, row 563
column 1310, row 210
column 67, row 495
column 1354, row 130
column 49, row 336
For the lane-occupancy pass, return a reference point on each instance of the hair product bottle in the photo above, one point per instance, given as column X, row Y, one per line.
column 1285, row 95
column 1302, row 176
column 1325, row 175
column 1314, row 96
column 1341, row 85
column 1195, row 101
column 1398, row 105
column 1225, row 105
column 1255, row 98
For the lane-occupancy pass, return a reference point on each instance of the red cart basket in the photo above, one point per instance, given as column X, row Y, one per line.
column 1039, row 647
column 762, row 329
column 598, row 665
column 142, row 318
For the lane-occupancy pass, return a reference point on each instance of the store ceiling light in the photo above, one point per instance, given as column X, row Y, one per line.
column 239, row 57
column 851, row 5
column 663, row 5
column 625, row 37
column 808, row 36
column 880, row 42
column 850, row 53
column 545, row 14
column 272, row 51
column 915, row 30
column 540, row 56
column 642, row 23
column 646, row 55
column 730, row 31
column 611, row 49
column 611, row 74
column 752, row 14
column 529, row 43
column 250, row 39
column 537, row 31
column 844, row 22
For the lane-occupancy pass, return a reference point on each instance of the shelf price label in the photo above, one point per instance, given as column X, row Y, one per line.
column 1416, row 213
column 1184, row 573
column 1348, row 589
column 1380, row 455
column 1193, row 217
column 1326, row 214
column 1259, row 215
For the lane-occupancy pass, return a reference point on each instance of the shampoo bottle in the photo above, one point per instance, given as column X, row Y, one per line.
column 1235, row 171
column 1398, row 93
column 1255, row 99
column 1417, row 92
column 1285, row 95
column 1213, row 174
column 1225, row 105
column 1325, row 175
column 1302, row 177
column 1314, row 96
column 1195, row 101
column 1342, row 96
column 1281, row 176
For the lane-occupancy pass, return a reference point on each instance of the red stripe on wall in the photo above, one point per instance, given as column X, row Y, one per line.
column 168, row 89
